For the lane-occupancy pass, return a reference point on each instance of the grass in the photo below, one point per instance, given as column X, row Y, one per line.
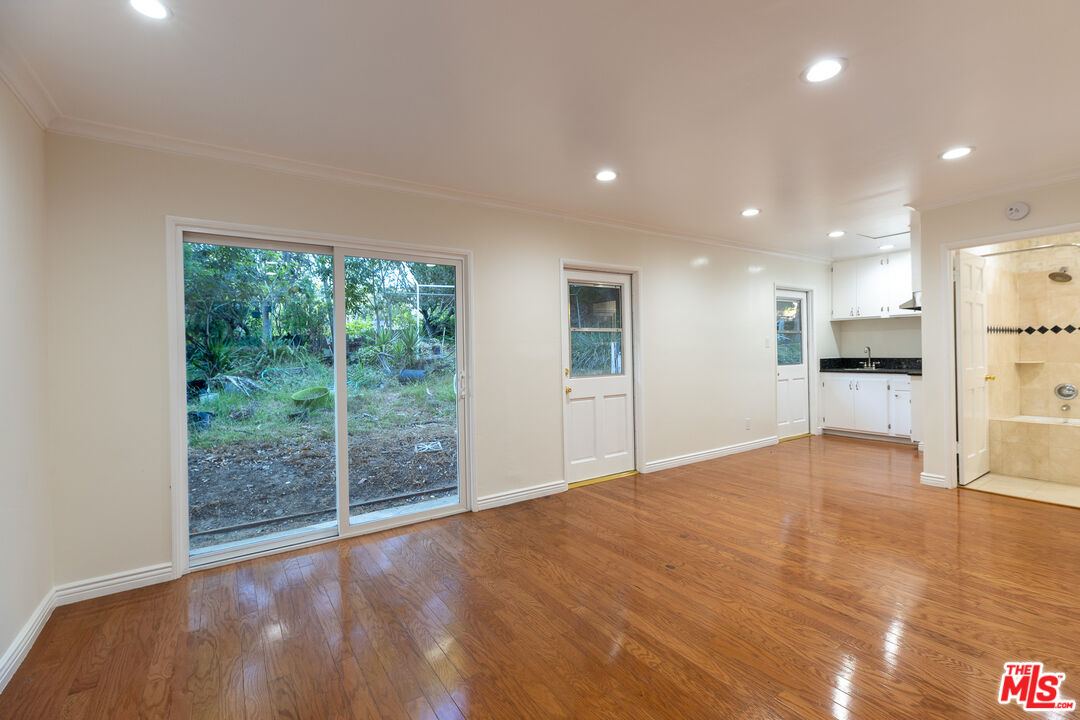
column 374, row 400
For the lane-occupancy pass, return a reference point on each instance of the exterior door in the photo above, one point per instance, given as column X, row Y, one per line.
column 792, row 365
column 971, row 363
column 598, row 372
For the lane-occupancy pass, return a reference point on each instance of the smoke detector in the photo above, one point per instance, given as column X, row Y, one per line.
column 1017, row 211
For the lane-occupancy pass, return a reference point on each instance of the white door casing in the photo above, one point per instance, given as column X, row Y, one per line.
column 971, row 361
column 598, row 389
column 792, row 365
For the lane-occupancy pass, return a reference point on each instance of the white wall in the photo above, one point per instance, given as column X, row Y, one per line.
column 1053, row 208
column 889, row 337
column 707, row 328
column 26, row 568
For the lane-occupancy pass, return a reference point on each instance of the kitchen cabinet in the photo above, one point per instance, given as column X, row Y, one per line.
column 871, row 287
column 844, row 292
column 867, row 403
column 838, row 400
column 900, row 412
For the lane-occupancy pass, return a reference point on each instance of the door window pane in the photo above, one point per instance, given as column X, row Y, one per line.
column 596, row 339
column 789, row 337
column 260, row 395
column 595, row 352
column 401, row 330
column 595, row 307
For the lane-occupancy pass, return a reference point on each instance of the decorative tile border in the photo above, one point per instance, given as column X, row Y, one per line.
column 1042, row 330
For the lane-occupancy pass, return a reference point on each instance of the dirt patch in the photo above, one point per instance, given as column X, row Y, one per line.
column 272, row 487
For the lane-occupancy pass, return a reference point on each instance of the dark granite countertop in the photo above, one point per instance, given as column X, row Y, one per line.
column 886, row 366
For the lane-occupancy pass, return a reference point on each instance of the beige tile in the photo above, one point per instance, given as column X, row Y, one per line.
column 1013, row 485
column 1058, row 493
column 1035, row 401
column 1064, row 436
column 1021, row 460
column 1032, row 286
column 1033, row 347
column 1066, row 349
column 1031, row 375
column 1064, row 464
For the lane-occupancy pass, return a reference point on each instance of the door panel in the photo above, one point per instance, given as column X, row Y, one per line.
column 598, row 374
column 838, row 397
column 401, row 371
column 582, row 445
column 972, row 363
column 844, row 296
column 872, row 404
column 617, row 439
column 260, row 438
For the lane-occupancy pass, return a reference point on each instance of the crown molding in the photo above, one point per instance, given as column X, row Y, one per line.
column 27, row 86
column 62, row 125
column 1006, row 190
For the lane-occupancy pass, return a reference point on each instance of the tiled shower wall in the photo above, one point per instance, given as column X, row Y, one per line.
column 1033, row 346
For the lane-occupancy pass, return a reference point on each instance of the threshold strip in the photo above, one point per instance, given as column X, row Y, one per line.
column 602, row 478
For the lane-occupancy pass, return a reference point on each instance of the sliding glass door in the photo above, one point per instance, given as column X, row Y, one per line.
column 401, row 329
column 322, row 392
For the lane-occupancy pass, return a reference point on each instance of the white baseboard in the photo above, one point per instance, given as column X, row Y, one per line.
column 689, row 458
column 932, row 479
column 922, row 446
column 116, row 582
column 486, row 502
column 18, row 649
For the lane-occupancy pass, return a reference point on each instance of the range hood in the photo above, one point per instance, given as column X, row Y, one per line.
column 915, row 303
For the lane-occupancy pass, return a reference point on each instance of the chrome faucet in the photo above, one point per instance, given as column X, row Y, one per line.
column 869, row 364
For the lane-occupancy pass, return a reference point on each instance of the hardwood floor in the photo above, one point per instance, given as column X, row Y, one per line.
column 816, row 578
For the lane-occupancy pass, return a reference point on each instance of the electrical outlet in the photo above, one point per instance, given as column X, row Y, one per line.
column 747, row 423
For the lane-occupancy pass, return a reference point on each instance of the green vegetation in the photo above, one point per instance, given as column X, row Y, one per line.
column 259, row 329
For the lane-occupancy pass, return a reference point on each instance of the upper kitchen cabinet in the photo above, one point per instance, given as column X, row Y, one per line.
column 871, row 287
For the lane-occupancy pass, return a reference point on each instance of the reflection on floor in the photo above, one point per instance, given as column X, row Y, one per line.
column 1041, row 490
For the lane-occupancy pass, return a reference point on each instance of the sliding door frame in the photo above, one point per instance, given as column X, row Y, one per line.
column 339, row 246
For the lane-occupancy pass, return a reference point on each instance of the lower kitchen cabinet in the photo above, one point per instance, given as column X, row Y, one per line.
column 866, row 402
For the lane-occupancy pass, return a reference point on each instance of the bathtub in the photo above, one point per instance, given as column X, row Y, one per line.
column 1037, row 447
column 1047, row 420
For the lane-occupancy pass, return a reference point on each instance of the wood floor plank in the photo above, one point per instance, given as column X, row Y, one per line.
column 816, row 578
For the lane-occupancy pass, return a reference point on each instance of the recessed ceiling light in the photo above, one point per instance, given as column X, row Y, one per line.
column 836, row 234
column 825, row 69
column 151, row 8
column 956, row 152
column 606, row 175
column 750, row 212
column 886, row 247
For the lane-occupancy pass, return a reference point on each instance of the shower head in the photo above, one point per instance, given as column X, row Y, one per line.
column 1061, row 275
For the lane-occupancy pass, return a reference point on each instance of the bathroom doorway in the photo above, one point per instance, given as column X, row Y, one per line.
column 1018, row 368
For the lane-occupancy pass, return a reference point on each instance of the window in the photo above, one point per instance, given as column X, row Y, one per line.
column 596, row 337
column 789, row 332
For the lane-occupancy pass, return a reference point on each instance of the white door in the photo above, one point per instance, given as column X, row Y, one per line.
column 792, row 365
column 844, row 293
column 872, row 403
column 598, row 373
column 971, row 364
column 838, row 400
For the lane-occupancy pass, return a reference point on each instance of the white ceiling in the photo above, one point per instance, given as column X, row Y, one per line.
column 697, row 104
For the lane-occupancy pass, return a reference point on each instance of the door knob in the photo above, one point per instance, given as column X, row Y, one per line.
column 568, row 391
column 990, row 377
